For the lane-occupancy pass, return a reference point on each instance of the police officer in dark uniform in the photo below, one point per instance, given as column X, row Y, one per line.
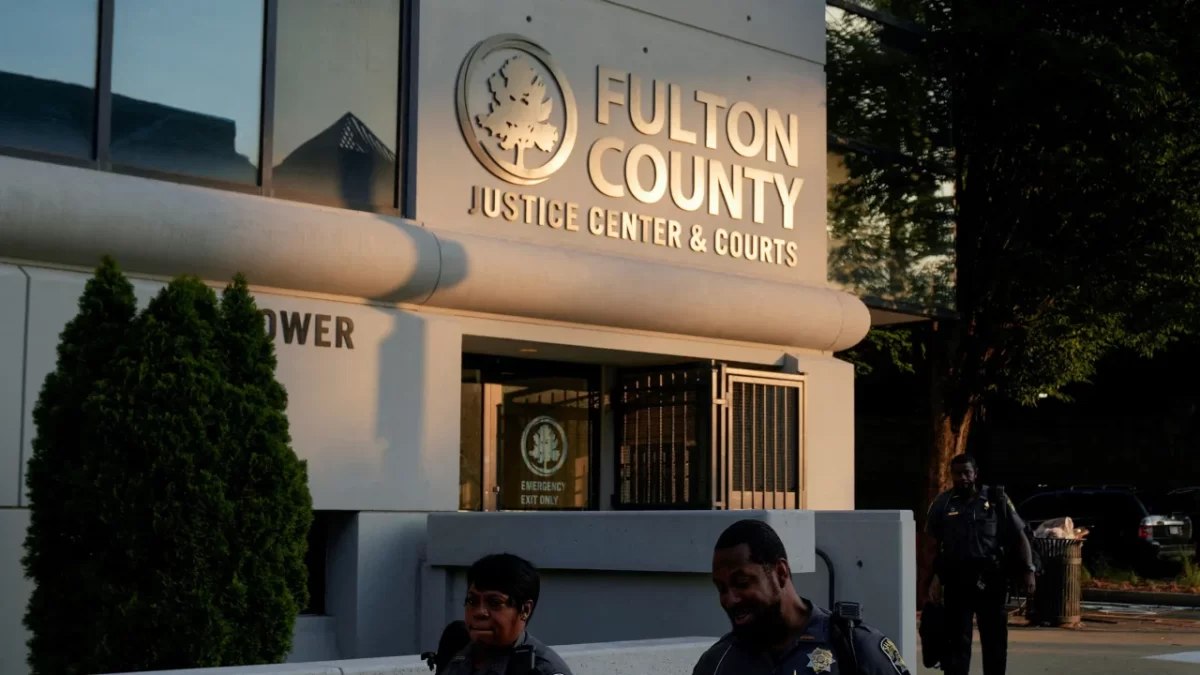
column 977, row 531
column 775, row 631
column 502, row 593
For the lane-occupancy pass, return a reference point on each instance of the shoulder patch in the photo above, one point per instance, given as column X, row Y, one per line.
column 892, row 653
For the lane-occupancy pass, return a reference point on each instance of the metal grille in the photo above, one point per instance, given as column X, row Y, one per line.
column 664, row 459
column 764, row 444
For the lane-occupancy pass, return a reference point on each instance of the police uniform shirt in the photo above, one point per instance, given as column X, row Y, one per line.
column 812, row 651
column 546, row 661
column 970, row 530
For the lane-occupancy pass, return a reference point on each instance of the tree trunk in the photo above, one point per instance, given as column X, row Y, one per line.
column 952, row 408
column 950, row 432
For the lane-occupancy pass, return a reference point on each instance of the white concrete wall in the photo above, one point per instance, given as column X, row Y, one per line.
column 829, row 430
column 13, row 289
column 371, row 423
column 648, row 574
column 369, row 420
column 639, row 574
column 14, row 590
column 874, row 560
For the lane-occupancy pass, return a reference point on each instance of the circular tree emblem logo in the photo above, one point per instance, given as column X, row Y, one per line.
column 544, row 446
column 516, row 109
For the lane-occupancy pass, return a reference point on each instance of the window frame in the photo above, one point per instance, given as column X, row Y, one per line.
column 402, row 203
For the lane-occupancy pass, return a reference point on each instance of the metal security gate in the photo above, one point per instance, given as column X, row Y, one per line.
column 763, row 449
column 664, row 431
column 709, row 437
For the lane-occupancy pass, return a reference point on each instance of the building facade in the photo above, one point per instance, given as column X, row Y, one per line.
column 597, row 229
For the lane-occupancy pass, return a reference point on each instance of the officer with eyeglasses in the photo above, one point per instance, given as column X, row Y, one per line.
column 502, row 593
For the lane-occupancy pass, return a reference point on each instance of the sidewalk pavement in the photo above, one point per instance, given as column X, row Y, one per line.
column 1103, row 645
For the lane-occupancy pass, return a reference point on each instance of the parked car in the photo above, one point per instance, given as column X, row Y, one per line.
column 1186, row 501
column 1135, row 529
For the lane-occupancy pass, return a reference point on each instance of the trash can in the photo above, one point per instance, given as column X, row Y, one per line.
column 1056, row 601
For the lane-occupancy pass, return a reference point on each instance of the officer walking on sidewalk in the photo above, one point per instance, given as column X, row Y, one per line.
column 774, row 629
column 978, row 531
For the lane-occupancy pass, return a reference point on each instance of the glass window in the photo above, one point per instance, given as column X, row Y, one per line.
column 545, row 437
column 48, row 75
column 470, row 456
column 336, row 95
column 186, row 81
column 890, row 166
column 884, row 90
column 528, row 429
column 891, row 229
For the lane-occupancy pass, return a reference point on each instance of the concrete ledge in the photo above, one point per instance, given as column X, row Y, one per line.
column 627, row 541
column 72, row 216
column 644, row 657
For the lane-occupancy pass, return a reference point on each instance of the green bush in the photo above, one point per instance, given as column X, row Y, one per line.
column 191, row 508
column 63, row 536
column 1189, row 576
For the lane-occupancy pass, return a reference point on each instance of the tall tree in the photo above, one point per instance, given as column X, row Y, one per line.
column 1077, row 137
column 1076, row 159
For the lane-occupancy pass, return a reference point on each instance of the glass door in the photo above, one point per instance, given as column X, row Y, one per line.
column 529, row 435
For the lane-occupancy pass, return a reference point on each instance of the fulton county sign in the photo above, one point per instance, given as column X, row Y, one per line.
column 522, row 127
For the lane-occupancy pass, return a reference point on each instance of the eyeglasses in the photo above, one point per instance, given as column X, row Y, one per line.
column 494, row 603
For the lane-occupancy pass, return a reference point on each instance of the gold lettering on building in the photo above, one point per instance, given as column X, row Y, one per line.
column 661, row 170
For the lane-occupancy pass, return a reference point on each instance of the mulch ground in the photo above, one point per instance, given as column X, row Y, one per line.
column 1122, row 624
column 1146, row 586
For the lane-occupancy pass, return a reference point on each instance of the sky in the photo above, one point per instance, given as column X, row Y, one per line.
column 50, row 39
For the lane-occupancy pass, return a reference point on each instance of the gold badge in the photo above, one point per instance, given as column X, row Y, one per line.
column 821, row 661
column 892, row 652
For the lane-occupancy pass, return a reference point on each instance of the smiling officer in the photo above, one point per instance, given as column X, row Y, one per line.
column 502, row 592
column 775, row 631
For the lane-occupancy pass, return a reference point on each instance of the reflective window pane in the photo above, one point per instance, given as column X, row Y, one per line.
column 891, row 230
column 881, row 90
column 470, row 453
column 919, row 12
column 336, row 96
column 186, row 81
column 48, row 75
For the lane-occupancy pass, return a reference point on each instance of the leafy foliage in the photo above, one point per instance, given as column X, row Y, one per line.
column 189, row 510
column 1075, row 160
column 1079, row 199
column 882, row 347
column 62, row 523
column 520, row 112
